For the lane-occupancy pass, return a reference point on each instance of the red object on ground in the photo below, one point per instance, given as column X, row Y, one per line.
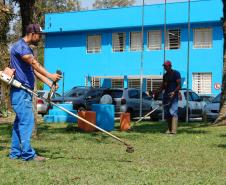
column 124, row 121
column 89, row 116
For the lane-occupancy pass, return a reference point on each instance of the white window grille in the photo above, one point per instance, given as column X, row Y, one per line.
column 135, row 41
column 134, row 83
column 95, row 82
column 117, row 83
column 154, row 40
column 153, row 84
column 202, row 83
column 93, row 43
column 173, row 39
column 119, row 41
column 203, row 38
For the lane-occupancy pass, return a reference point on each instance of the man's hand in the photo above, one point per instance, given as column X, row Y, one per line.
column 171, row 95
column 55, row 77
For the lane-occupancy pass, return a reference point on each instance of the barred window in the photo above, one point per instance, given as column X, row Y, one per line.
column 203, row 37
column 135, row 41
column 154, row 39
column 153, row 84
column 119, row 42
column 202, row 83
column 95, row 82
column 93, row 43
column 134, row 83
column 173, row 39
column 117, row 83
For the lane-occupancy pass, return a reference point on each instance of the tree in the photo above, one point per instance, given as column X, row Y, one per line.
column 112, row 3
column 6, row 15
column 221, row 120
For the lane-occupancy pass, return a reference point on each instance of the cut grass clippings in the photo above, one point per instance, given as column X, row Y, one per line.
column 196, row 155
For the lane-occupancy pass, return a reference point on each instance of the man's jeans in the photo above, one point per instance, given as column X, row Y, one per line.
column 171, row 110
column 23, row 125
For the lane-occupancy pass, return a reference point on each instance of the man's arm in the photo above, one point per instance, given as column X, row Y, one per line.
column 39, row 68
column 43, row 78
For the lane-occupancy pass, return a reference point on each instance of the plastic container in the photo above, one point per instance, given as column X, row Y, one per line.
column 89, row 116
column 124, row 121
column 104, row 116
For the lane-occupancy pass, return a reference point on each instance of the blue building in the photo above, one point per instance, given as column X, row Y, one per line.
column 104, row 47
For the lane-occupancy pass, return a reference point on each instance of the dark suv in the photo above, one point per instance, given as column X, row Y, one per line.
column 81, row 97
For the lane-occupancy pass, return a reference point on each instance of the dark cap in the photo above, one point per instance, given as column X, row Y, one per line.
column 167, row 63
column 34, row 28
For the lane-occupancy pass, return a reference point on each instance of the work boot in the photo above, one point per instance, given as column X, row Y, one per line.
column 169, row 122
column 174, row 125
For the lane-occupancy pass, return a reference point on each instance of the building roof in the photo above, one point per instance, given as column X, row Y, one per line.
column 202, row 11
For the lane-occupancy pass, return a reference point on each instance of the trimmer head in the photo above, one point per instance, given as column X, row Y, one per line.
column 129, row 149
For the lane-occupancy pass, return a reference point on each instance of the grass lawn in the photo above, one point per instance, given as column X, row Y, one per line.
column 196, row 155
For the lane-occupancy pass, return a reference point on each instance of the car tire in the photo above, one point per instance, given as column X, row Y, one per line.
column 81, row 109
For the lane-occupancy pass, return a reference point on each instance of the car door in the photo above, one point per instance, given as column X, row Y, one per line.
column 134, row 101
column 197, row 111
column 93, row 97
column 146, row 102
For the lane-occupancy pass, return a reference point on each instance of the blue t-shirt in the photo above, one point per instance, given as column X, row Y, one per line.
column 170, row 79
column 24, row 71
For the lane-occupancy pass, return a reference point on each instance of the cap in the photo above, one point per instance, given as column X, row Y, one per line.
column 34, row 28
column 167, row 63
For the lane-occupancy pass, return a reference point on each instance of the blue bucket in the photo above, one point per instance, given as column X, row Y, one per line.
column 104, row 116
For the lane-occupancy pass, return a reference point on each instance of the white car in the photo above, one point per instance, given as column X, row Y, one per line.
column 211, row 110
column 43, row 106
column 195, row 106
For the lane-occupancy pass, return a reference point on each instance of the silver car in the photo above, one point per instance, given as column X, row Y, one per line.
column 128, row 100
column 43, row 106
column 211, row 110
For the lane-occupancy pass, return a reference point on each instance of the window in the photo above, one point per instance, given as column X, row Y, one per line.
column 118, row 42
column 202, row 83
column 134, row 83
column 173, row 39
column 133, row 94
column 135, row 41
column 117, row 83
column 153, row 84
column 95, row 82
column 154, row 40
column 93, row 43
column 203, row 38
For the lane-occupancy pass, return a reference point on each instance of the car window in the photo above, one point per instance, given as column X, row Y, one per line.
column 76, row 92
column 217, row 99
column 145, row 96
column 40, row 94
column 189, row 96
column 114, row 93
column 194, row 96
column 94, row 93
column 133, row 94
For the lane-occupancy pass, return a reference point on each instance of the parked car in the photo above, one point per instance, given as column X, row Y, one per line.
column 195, row 105
column 81, row 97
column 206, row 98
column 211, row 110
column 43, row 106
column 128, row 100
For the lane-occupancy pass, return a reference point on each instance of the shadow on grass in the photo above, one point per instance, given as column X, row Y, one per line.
column 222, row 146
column 161, row 127
column 6, row 129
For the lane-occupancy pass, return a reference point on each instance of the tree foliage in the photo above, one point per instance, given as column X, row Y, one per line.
column 112, row 3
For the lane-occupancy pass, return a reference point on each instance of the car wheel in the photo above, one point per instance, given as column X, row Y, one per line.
column 81, row 109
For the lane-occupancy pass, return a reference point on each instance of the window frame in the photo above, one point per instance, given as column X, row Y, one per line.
column 130, row 36
column 160, row 40
column 167, row 44
column 87, row 44
column 204, row 46
column 124, row 42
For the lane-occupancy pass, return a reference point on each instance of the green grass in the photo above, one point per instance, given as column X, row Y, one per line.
column 196, row 155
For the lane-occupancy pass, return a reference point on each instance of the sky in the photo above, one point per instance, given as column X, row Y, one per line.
column 88, row 3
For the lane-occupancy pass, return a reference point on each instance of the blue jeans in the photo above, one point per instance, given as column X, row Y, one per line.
column 21, row 102
column 171, row 110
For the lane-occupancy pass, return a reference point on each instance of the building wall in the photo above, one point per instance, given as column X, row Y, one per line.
column 66, row 50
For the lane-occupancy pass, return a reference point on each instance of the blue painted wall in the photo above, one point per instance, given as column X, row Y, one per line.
column 65, row 47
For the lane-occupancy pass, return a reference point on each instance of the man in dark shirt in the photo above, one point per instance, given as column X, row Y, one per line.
column 26, row 66
column 171, row 85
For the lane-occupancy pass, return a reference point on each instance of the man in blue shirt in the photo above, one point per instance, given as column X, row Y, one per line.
column 26, row 66
column 171, row 85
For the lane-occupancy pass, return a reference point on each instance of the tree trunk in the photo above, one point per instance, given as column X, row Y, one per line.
column 221, row 120
column 26, row 12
